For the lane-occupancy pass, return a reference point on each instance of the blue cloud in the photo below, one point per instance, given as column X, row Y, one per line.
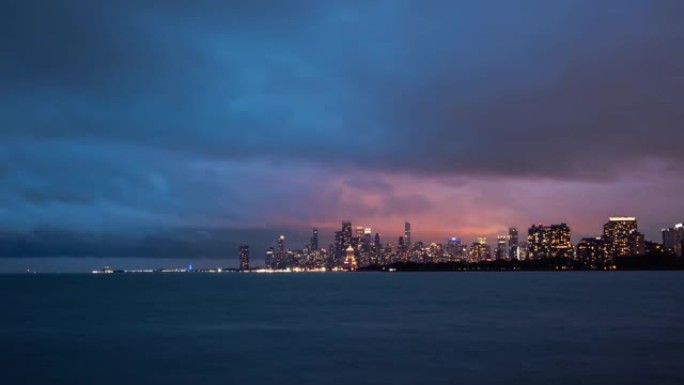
column 126, row 116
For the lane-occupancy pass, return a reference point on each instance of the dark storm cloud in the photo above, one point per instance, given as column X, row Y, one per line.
column 123, row 116
column 104, row 44
column 605, row 93
column 461, row 88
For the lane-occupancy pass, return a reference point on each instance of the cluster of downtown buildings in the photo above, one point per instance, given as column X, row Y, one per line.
column 358, row 248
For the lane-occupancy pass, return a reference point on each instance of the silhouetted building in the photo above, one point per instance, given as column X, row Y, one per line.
column 590, row 251
column 639, row 244
column 336, row 248
column 679, row 239
column 377, row 253
column 653, row 248
column 244, row 257
column 314, row 240
column 270, row 258
column 407, row 235
column 668, row 238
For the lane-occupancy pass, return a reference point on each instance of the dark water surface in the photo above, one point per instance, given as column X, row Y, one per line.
column 365, row 328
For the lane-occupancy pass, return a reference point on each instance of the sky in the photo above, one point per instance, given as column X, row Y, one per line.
column 178, row 129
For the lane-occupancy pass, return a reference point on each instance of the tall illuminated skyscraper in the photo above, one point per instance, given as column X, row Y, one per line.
column 560, row 245
column 314, row 240
column 535, row 242
column 367, row 242
column 513, row 243
column 453, row 248
column 407, row 234
column 502, row 247
column 281, row 253
column 244, row 257
column 621, row 237
column 549, row 241
column 377, row 245
column 357, row 239
column 346, row 235
column 359, row 231
column 343, row 239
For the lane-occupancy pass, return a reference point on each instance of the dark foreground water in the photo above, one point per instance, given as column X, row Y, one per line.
column 365, row 328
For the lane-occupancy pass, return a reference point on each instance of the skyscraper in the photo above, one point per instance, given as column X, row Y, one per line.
column 513, row 243
column 535, row 242
column 314, row 240
column 336, row 250
column 407, row 234
column 590, row 252
column 270, row 258
column 359, row 231
column 502, row 247
column 560, row 245
column 244, row 257
column 621, row 237
column 668, row 238
column 679, row 239
column 367, row 242
column 281, row 253
column 378, row 255
column 346, row 235
column 453, row 248
column 357, row 240
column 479, row 251
column 549, row 241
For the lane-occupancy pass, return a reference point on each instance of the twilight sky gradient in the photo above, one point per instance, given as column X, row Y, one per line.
column 181, row 128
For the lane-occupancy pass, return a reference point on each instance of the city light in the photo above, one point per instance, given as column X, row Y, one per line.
column 546, row 247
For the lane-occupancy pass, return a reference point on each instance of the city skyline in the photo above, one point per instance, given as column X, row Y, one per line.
column 327, row 236
column 546, row 247
column 341, row 191
column 365, row 248
column 177, row 131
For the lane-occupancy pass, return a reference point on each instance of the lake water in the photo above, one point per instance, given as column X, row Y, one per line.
column 363, row 328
